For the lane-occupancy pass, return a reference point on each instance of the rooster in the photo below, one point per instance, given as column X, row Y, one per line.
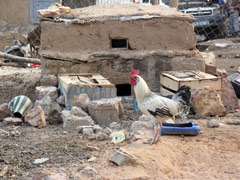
column 157, row 107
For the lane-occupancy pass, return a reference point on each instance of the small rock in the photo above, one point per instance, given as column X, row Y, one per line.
column 87, row 131
column 77, row 111
column 108, row 131
column 4, row 171
column 121, row 158
column 92, row 148
column 212, row 124
column 97, row 128
column 3, row 132
column 49, row 176
column 221, row 73
column 42, row 91
column 12, row 121
column 33, row 117
column 40, row 161
column 91, row 137
column 100, row 136
column 82, row 101
column 91, row 173
column 49, row 80
column 4, row 112
column 92, row 159
column 115, row 125
column 61, row 100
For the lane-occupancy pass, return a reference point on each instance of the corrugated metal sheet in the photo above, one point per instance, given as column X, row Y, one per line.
column 101, row 2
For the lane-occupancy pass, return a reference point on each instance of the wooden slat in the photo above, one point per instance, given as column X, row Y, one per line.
column 85, row 80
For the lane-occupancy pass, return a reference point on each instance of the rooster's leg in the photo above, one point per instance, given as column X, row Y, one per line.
column 156, row 136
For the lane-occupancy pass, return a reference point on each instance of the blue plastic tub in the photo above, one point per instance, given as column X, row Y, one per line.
column 190, row 129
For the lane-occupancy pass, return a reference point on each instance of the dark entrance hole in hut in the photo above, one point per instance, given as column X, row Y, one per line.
column 123, row 89
column 119, row 43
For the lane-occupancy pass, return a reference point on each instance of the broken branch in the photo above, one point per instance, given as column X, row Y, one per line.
column 20, row 59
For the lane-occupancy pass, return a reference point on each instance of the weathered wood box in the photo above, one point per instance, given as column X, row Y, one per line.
column 94, row 85
column 172, row 80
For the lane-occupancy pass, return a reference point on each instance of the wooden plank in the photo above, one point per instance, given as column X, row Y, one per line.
column 84, row 80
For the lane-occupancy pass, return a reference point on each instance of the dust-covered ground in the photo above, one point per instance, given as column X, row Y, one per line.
column 213, row 154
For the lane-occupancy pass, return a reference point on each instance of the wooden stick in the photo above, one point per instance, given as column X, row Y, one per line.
column 20, row 59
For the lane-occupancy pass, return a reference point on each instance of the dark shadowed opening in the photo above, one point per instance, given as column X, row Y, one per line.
column 123, row 89
column 119, row 43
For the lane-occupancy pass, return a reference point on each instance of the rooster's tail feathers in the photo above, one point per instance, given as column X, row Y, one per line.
column 183, row 94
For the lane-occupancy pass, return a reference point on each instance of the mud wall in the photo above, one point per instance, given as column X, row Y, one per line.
column 118, row 70
column 157, row 33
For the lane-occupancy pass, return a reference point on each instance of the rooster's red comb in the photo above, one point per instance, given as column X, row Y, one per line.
column 135, row 72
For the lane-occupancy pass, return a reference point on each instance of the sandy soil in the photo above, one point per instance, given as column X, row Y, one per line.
column 214, row 154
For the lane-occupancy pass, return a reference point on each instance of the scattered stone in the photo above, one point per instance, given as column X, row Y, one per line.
column 70, row 122
column 4, row 112
column 4, row 171
column 42, row 91
column 212, row 124
column 97, row 128
column 54, row 117
column 121, row 158
column 91, row 137
column 48, row 105
column 87, row 131
column 100, row 136
column 12, row 121
column 206, row 101
column 115, row 126
column 49, row 80
column 92, row 159
column 3, row 133
column 144, row 125
column 139, row 178
column 82, row 101
column 40, row 161
column 61, row 100
column 49, row 176
column 34, row 118
column 106, row 111
column 92, row 148
column 108, row 131
column 91, row 173
column 221, row 73
column 80, row 128
column 229, row 97
column 77, row 111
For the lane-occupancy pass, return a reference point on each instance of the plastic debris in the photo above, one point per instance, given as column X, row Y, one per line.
column 119, row 137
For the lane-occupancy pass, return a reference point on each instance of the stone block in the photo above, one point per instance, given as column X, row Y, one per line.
column 121, row 158
column 34, row 118
column 106, row 111
column 77, row 111
column 42, row 91
column 221, row 73
column 71, row 122
column 12, row 121
column 206, row 101
column 61, row 100
column 4, row 112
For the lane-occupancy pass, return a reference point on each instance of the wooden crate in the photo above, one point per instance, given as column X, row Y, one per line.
column 94, row 85
column 172, row 80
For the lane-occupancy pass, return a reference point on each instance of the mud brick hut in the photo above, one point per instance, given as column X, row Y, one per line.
column 115, row 39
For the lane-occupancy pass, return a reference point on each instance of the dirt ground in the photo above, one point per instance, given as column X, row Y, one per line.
column 213, row 154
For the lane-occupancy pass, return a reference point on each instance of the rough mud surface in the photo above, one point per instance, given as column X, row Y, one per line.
column 214, row 154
